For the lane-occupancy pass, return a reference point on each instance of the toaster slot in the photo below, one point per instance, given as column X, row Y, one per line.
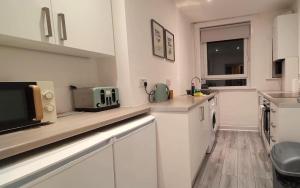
column 102, row 96
column 110, row 101
column 113, row 91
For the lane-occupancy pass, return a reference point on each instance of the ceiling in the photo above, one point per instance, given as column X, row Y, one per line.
column 205, row 10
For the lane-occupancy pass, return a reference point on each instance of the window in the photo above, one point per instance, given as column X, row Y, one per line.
column 225, row 55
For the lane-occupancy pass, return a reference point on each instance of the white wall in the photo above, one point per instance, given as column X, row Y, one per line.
column 141, row 62
column 296, row 8
column 121, row 51
column 185, row 56
column 239, row 108
column 261, row 52
column 27, row 65
column 133, row 56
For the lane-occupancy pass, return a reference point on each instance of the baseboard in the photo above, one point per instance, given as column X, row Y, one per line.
column 239, row 128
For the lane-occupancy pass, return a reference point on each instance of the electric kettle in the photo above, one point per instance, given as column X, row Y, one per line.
column 161, row 92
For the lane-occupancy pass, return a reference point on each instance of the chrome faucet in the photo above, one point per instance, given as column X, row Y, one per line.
column 196, row 77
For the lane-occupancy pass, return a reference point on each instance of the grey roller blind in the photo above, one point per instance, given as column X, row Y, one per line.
column 225, row 32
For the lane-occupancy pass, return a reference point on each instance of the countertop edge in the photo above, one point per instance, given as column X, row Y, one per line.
column 165, row 109
column 276, row 102
column 27, row 146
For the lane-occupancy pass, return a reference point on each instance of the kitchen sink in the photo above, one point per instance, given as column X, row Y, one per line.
column 207, row 91
column 204, row 91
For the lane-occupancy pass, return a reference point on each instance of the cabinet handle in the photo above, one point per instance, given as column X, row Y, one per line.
column 273, row 125
column 272, row 110
column 62, row 26
column 46, row 14
column 202, row 113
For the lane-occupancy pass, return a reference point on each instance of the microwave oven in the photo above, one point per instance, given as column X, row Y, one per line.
column 24, row 104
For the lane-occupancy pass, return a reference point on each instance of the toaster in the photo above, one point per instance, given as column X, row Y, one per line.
column 95, row 99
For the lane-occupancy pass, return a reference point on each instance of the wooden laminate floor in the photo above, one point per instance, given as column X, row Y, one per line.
column 238, row 160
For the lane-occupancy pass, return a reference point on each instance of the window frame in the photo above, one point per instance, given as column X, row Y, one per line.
column 229, row 76
column 199, row 67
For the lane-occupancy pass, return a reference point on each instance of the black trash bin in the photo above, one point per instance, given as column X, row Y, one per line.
column 285, row 158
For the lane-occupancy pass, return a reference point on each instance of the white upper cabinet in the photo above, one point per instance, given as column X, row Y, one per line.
column 84, row 24
column 27, row 19
column 285, row 36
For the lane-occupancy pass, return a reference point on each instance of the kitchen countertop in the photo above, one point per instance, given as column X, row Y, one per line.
column 78, row 123
column 21, row 141
column 290, row 102
column 180, row 103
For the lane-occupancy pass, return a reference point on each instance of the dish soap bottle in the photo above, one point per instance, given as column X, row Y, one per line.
column 193, row 89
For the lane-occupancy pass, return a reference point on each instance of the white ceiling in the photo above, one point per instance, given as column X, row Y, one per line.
column 205, row 10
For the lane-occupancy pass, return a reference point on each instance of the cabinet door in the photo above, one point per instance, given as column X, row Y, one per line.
column 199, row 135
column 26, row 19
column 135, row 159
column 84, row 24
column 93, row 171
column 274, row 123
column 286, row 36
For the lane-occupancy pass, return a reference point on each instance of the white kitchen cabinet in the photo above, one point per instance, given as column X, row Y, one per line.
column 135, row 158
column 285, row 123
column 273, row 124
column 182, row 144
column 93, row 172
column 26, row 19
column 82, row 28
column 285, row 36
column 88, row 24
column 199, row 135
column 123, row 156
column 87, row 162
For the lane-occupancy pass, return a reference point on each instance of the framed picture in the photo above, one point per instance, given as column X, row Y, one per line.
column 170, row 45
column 158, row 40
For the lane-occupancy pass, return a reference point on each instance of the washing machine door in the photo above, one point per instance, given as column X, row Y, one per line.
column 214, row 121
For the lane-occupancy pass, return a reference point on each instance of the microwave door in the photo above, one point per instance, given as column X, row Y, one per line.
column 17, row 105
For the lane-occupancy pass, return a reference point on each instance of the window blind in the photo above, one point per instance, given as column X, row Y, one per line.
column 225, row 32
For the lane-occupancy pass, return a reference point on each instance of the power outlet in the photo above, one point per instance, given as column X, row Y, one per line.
column 142, row 81
column 168, row 82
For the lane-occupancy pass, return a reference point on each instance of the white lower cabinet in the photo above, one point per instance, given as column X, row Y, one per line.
column 123, row 156
column 284, row 124
column 182, row 143
column 135, row 159
column 199, row 136
column 93, row 171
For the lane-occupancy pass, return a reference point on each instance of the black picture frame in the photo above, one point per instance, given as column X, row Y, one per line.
column 169, row 46
column 158, row 39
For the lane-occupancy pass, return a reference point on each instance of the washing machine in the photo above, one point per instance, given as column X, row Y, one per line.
column 212, row 123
